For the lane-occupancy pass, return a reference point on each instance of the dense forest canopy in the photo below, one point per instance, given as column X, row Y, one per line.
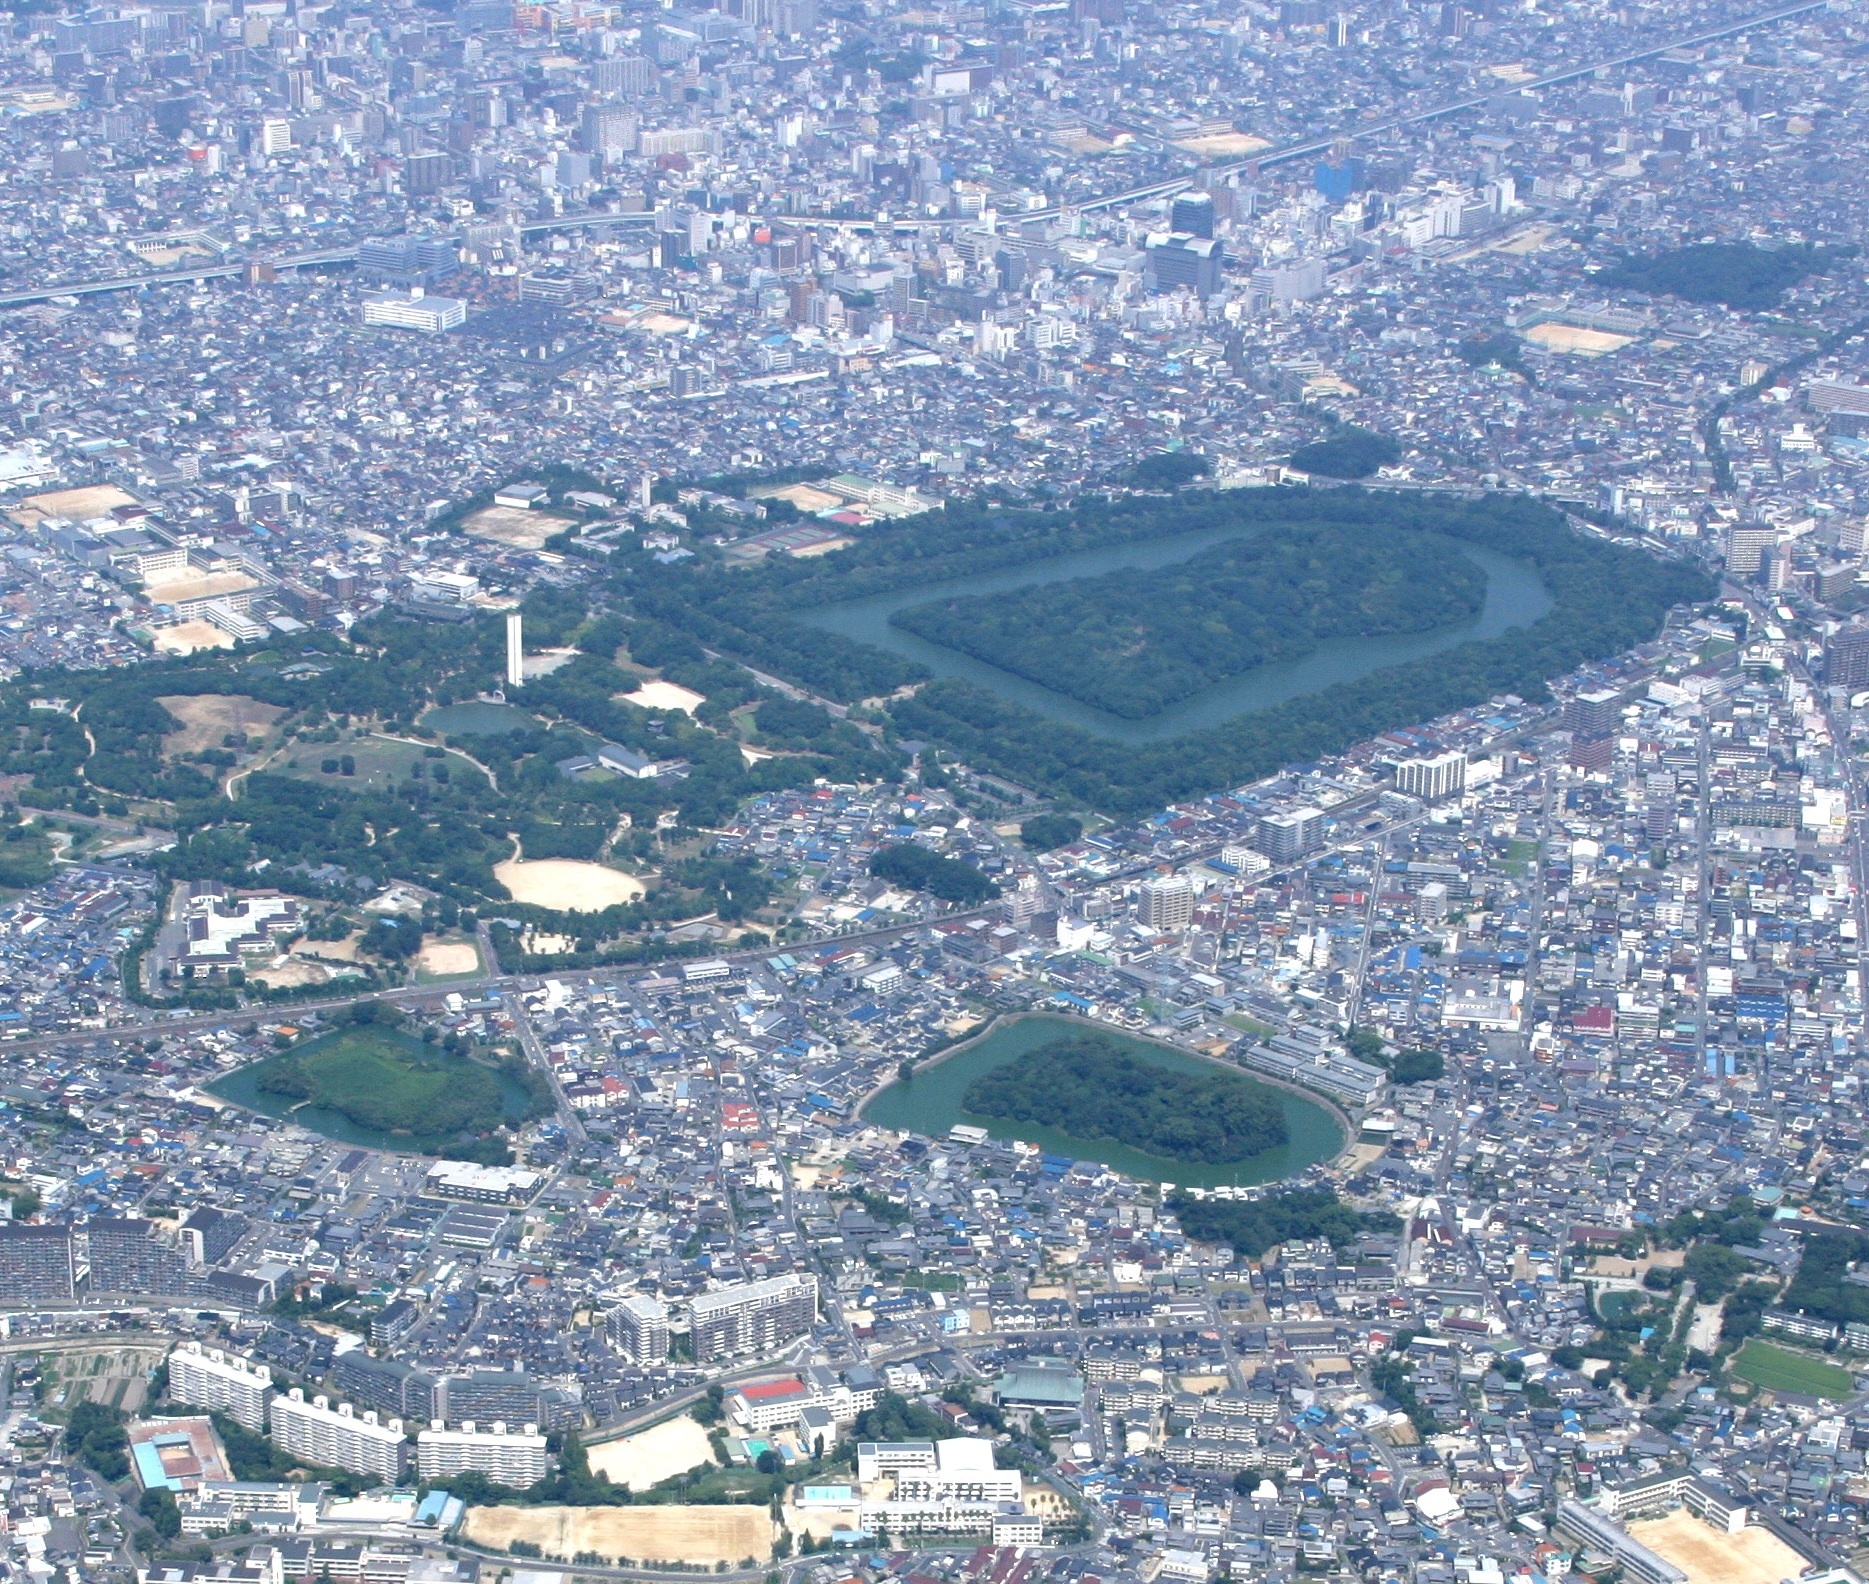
column 1606, row 598
column 1253, row 1226
column 1134, row 642
column 917, row 869
column 1738, row 274
column 1092, row 1088
column 1349, row 453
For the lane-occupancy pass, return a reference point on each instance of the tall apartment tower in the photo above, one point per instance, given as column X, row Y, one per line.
column 515, row 649
column 1442, row 776
column 638, row 1329
column 1846, row 656
column 1166, row 903
column 36, row 1263
column 1288, row 836
column 752, row 1317
column 130, row 1255
column 1594, row 712
column 210, row 1378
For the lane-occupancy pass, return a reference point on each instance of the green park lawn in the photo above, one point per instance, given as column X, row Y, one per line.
column 1778, row 1369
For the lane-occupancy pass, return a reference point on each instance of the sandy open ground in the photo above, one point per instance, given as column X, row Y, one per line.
column 1574, row 338
column 290, row 974
column 1711, row 1556
column 567, row 884
column 1223, row 145
column 666, row 696
column 808, row 500
column 641, row 1460
column 644, row 1534
column 75, row 505
column 513, row 525
column 189, row 636
column 448, row 957
column 208, row 717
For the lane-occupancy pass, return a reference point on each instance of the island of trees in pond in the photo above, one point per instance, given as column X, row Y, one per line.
column 1091, row 1088
column 439, row 1098
column 1135, row 642
column 1738, row 274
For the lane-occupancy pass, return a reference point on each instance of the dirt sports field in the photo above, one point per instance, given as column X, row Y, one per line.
column 703, row 1535
column 513, row 525
column 1576, row 339
column 187, row 637
column 1711, row 1556
column 74, row 505
column 208, row 717
column 443, row 958
column 640, row 1460
column 567, row 884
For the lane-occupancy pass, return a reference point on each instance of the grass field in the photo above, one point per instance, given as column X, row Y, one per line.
column 208, row 717
column 379, row 762
column 1779, row 1369
column 703, row 1535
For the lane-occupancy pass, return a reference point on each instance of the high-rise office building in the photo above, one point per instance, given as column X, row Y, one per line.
column 1190, row 261
column 638, row 1329
column 1846, row 656
column 211, row 1378
column 36, row 1263
column 609, row 131
column 1286, row 837
column 1442, row 776
column 1166, row 902
column 515, row 649
column 338, row 1437
column 752, row 1317
column 408, row 260
column 1193, row 215
column 514, row 1457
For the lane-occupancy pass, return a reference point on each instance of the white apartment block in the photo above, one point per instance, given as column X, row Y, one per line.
column 338, row 1437
column 507, row 1457
column 210, row 1378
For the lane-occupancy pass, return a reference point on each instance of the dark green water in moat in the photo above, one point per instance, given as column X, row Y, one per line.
column 930, row 1104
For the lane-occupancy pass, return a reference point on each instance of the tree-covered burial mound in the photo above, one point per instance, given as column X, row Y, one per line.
column 1135, row 642
column 1091, row 1088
